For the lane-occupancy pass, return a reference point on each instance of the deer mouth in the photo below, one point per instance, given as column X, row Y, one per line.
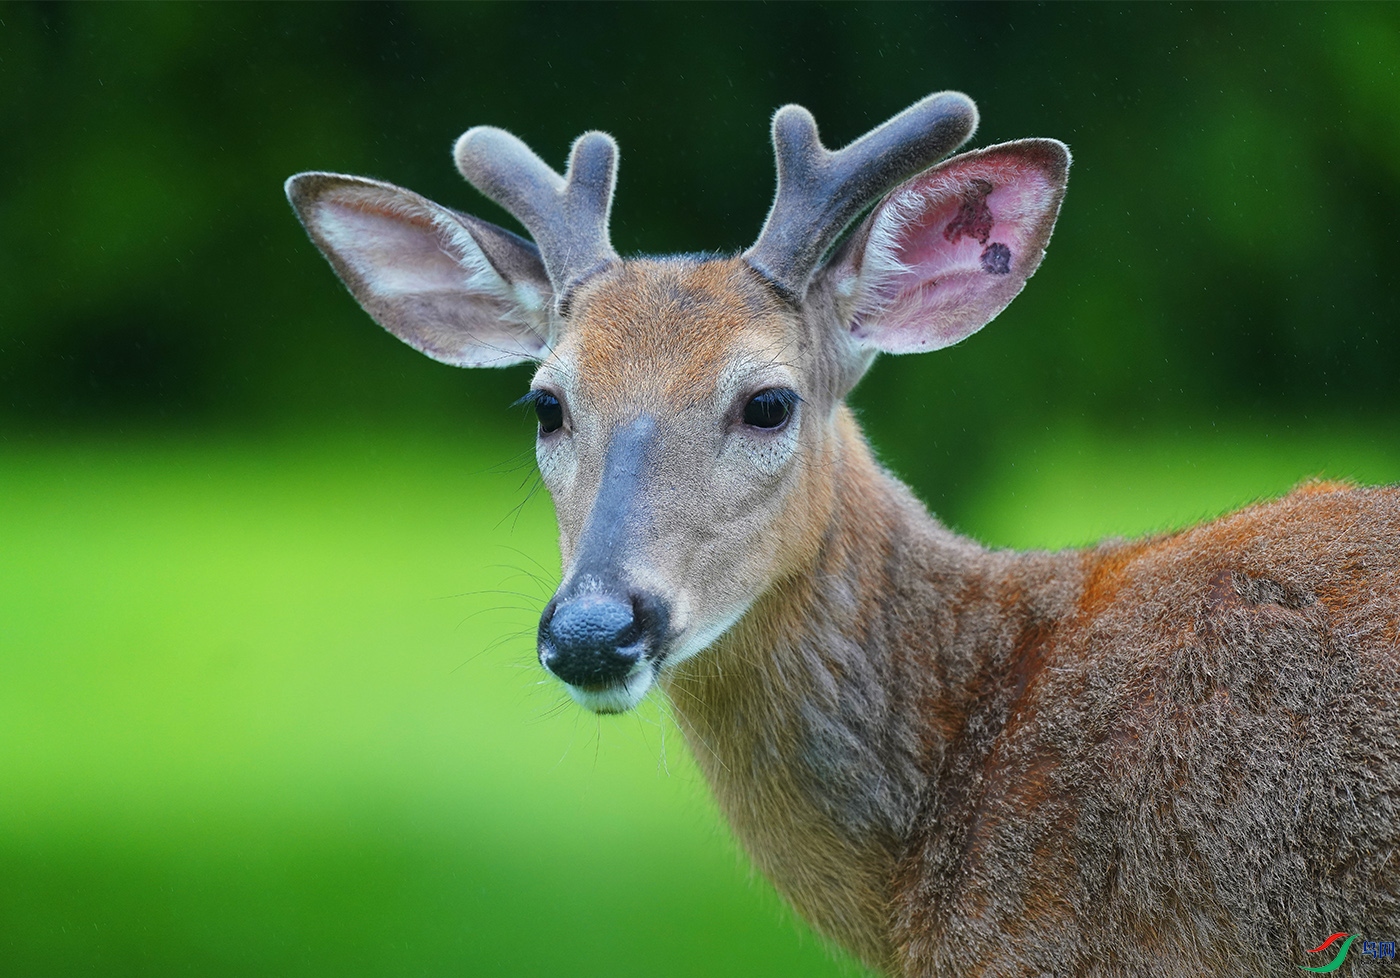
column 619, row 696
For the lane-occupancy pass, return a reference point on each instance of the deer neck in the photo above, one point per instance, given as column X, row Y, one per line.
column 811, row 717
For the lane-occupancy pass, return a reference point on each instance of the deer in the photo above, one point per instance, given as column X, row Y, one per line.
column 1175, row 755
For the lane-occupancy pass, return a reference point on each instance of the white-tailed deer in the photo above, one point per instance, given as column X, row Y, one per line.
column 1172, row 756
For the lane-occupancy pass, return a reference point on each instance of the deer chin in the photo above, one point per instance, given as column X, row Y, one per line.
column 620, row 697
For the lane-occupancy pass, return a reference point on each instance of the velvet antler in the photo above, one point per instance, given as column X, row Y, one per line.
column 567, row 216
column 820, row 191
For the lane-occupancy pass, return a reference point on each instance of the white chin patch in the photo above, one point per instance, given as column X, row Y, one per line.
column 619, row 698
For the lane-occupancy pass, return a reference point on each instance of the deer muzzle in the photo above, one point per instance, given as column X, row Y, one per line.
column 599, row 634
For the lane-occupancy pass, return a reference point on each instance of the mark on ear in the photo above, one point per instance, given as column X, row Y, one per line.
column 947, row 250
column 974, row 217
column 456, row 288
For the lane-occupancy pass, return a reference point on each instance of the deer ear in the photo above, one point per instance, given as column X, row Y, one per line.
column 461, row 290
column 947, row 250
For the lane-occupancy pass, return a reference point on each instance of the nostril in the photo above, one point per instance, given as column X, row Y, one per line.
column 650, row 618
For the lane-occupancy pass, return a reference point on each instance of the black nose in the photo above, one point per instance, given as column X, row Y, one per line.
column 595, row 640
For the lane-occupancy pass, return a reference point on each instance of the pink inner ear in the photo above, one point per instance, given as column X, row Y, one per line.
column 952, row 247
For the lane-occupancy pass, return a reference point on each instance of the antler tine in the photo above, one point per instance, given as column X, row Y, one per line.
column 820, row 192
column 567, row 216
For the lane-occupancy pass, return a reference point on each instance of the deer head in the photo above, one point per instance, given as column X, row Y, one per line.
column 691, row 409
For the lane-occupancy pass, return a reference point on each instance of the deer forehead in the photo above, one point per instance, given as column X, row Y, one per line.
column 673, row 334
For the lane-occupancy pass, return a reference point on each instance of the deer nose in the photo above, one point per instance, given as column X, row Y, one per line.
column 595, row 640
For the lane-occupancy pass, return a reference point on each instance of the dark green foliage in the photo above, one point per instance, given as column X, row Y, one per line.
column 1227, row 247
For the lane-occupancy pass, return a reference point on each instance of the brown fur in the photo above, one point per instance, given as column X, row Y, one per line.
column 709, row 307
column 1174, row 756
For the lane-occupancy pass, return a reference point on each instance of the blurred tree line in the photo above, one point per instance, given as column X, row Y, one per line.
column 1228, row 248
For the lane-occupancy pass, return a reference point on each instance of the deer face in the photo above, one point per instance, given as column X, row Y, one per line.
column 689, row 408
column 689, row 405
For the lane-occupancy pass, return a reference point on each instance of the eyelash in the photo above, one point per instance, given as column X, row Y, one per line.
column 549, row 410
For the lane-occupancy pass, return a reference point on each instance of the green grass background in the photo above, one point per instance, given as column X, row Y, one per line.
column 270, row 707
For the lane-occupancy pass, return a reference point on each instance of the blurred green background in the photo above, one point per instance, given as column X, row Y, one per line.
column 268, row 578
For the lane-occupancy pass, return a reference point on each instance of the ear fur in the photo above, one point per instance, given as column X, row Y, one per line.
column 947, row 250
column 452, row 286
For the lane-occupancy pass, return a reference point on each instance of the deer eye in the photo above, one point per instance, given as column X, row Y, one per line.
column 547, row 409
column 770, row 408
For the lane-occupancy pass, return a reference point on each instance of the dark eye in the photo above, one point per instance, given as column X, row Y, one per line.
column 770, row 408
column 551, row 415
column 547, row 409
